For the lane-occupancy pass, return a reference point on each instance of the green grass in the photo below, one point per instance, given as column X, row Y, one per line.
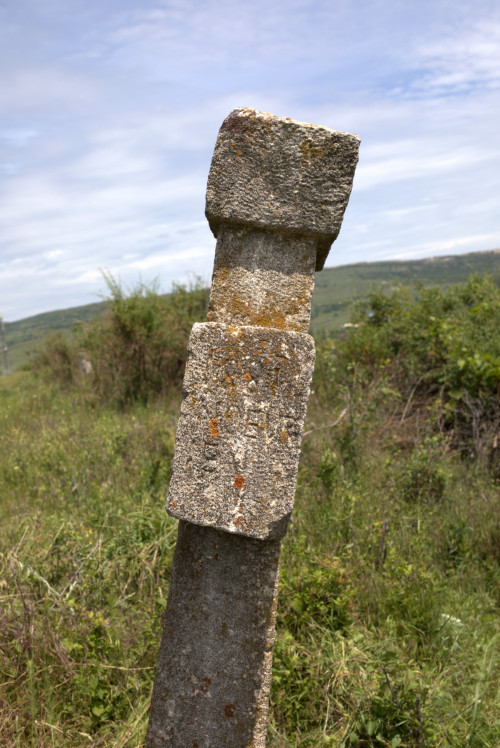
column 382, row 636
column 388, row 620
column 388, row 614
column 85, row 556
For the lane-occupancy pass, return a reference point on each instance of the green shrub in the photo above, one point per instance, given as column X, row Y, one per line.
column 423, row 479
column 57, row 358
column 388, row 627
column 136, row 351
column 440, row 351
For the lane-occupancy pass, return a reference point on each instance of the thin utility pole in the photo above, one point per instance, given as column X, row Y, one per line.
column 6, row 365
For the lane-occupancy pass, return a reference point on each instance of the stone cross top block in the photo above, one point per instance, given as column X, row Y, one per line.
column 278, row 174
column 277, row 191
column 276, row 194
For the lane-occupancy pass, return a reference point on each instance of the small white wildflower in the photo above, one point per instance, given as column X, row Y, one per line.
column 451, row 620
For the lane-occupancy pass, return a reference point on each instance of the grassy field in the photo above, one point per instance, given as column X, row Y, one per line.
column 388, row 621
column 337, row 290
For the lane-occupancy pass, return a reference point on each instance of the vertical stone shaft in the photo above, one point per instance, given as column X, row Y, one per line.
column 238, row 438
column 214, row 670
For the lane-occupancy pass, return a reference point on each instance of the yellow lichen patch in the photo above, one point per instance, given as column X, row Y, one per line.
column 221, row 273
column 237, row 307
column 313, row 151
column 267, row 318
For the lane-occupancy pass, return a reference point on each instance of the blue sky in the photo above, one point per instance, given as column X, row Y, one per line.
column 109, row 110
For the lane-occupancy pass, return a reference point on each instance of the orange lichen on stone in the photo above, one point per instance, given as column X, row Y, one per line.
column 239, row 481
column 229, row 710
column 213, row 427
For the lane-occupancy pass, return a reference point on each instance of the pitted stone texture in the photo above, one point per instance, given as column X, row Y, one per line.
column 238, row 438
column 262, row 278
column 214, row 667
column 276, row 173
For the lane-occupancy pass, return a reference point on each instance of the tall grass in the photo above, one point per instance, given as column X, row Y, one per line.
column 84, row 563
column 388, row 626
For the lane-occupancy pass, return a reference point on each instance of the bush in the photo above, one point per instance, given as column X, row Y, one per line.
column 388, row 626
column 437, row 352
column 57, row 358
column 136, row 351
column 423, row 479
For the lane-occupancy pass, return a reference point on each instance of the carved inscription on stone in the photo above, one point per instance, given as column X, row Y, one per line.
column 238, row 437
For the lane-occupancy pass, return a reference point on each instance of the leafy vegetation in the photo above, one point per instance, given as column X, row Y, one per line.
column 397, row 518
column 135, row 352
column 337, row 289
column 388, row 626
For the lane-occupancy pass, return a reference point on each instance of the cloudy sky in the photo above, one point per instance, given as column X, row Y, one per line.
column 109, row 110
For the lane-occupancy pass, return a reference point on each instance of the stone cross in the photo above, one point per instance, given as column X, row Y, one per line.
column 276, row 195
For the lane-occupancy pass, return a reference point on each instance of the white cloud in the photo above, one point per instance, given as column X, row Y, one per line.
column 40, row 88
column 453, row 245
column 461, row 59
column 109, row 113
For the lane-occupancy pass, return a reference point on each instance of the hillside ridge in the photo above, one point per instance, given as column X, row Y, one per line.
column 337, row 288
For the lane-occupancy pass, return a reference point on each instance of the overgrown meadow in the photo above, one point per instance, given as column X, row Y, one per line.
column 388, row 622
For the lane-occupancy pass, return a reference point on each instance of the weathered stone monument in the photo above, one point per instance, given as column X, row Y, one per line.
column 277, row 192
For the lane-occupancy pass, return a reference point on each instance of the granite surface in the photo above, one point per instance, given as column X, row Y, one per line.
column 276, row 195
column 277, row 173
column 238, row 438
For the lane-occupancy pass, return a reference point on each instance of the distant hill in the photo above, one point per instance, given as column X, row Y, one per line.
column 338, row 287
column 22, row 336
column 336, row 290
